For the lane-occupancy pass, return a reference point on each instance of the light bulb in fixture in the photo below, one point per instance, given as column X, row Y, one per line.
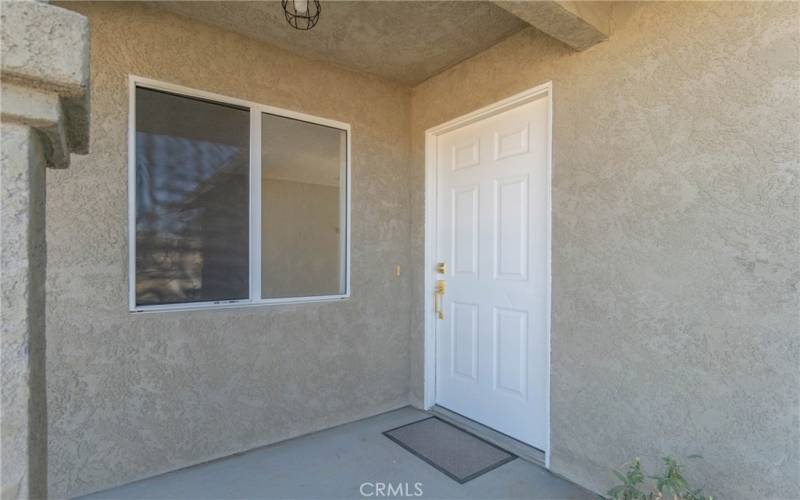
column 301, row 14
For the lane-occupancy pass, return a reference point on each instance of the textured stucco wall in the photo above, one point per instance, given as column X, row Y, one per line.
column 23, row 427
column 676, row 237
column 44, row 60
column 133, row 395
column 675, row 259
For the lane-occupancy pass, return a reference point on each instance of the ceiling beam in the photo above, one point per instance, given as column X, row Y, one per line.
column 578, row 24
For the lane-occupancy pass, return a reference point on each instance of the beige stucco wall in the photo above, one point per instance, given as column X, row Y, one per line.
column 675, row 254
column 133, row 395
column 676, row 237
column 23, row 427
column 44, row 79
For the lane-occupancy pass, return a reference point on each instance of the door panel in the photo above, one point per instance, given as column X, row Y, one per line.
column 510, row 353
column 464, row 340
column 491, row 345
column 511, row 228
column 465, row 230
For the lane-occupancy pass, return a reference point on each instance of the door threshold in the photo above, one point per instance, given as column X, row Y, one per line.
column 518, row 448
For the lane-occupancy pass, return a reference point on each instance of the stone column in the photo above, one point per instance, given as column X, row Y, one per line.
column 44, row 77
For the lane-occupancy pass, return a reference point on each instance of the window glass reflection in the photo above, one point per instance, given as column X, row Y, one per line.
column 303, row 215
column 192, row 211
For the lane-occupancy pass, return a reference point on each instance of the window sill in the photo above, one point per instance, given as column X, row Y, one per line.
column 239, row 304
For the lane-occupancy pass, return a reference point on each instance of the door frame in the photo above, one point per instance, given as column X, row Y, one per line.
column 545, row 91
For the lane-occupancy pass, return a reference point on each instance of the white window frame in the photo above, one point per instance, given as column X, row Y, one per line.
column 255, row 111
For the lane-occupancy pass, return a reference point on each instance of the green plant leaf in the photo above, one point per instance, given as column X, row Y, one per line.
column 669, row 485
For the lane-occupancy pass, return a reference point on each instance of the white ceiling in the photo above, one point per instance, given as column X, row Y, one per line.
column 404, row 41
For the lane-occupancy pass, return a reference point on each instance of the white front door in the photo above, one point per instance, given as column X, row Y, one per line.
column 492, row 235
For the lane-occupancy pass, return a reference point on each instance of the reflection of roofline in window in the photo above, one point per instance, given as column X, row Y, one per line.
column 195, row 98
column 196, row 119
column 305, row 121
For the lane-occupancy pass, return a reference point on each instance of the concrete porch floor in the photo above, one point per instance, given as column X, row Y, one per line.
column 334, row 463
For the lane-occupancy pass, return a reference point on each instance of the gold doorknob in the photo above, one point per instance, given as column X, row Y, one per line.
column 437, row 298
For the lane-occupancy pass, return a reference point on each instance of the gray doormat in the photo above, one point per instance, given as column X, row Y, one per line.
column 459, row 454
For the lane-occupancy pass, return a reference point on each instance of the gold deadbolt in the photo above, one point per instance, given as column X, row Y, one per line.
column 441, row 268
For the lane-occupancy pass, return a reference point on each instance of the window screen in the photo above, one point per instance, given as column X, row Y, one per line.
column 303, row 215
column 220, row 219
column 192, row 211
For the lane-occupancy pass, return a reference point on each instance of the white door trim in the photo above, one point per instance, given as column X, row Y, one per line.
column 541, row 91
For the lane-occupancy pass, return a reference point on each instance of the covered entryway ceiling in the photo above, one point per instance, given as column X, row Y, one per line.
column 407, row 42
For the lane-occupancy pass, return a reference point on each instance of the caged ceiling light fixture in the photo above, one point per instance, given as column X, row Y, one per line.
column 301, row 14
